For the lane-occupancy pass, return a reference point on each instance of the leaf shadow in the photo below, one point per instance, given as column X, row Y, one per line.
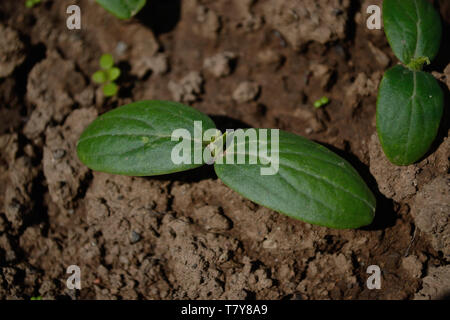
column 385, row 215
column 126, row 81
column 204, row 172
column 224, row 122
column 445, row 295
column 443, row 57
column 161, row 16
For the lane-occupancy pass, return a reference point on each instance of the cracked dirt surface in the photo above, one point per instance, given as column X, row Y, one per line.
column 246, row 63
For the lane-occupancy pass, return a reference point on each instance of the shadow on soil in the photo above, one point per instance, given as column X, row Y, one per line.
column 385, row 215
column 160, row 15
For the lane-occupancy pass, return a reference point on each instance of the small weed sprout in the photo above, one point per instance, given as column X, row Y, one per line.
column 321, row 102
column 107, row 75
column 32, row 3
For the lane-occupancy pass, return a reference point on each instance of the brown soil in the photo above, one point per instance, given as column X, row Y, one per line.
column 246, row 63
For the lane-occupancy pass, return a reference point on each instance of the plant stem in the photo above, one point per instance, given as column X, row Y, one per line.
column 418, row 63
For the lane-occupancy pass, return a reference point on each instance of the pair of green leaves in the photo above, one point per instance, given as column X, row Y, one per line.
column 410, row 101
column 312, row 184
column 321, row 102
column 107, row 75
column 122, row 9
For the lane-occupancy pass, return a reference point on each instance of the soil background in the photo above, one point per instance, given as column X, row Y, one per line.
column 246, row 64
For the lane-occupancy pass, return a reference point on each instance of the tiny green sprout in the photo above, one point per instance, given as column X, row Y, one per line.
column 36, row 298
column 107, row 75
column 106, row 61
column 32, row 3
column 321, row 102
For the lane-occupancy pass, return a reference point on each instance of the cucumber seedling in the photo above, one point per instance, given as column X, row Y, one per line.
column 122, row 9
column 410, row 102
column 107, row 75
column 311, row 183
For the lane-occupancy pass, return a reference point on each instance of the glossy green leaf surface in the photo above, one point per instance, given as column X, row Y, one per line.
column 312, row 184
column 122, row 9
column 409, row 110
column 135, row 139
column 413, row 28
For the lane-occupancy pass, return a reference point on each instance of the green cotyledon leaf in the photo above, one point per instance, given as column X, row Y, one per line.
column 413, row 29
column 135, row 139
column 106, row 61
column 409, row 110
column 110, row 89
column 122, row 9
column 312, row 183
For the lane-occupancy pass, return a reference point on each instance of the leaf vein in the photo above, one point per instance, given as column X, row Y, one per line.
column 316, row 177
column 121, row 135
column 411, row 113
column 329, row 183
column 419, row 32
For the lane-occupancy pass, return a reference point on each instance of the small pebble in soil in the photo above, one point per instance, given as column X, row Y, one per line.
column 59, row 153
column 121, row 48
column 246, row 91
column 135, row 237
column 280, row 37
column 220, row 65
column 188, row 89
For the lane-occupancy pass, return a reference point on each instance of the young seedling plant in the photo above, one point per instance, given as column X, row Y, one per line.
column 122, row 9
column 32, row 3
column 312, row 183
column 321, row 102
column 107, row 75
column 410, row 101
